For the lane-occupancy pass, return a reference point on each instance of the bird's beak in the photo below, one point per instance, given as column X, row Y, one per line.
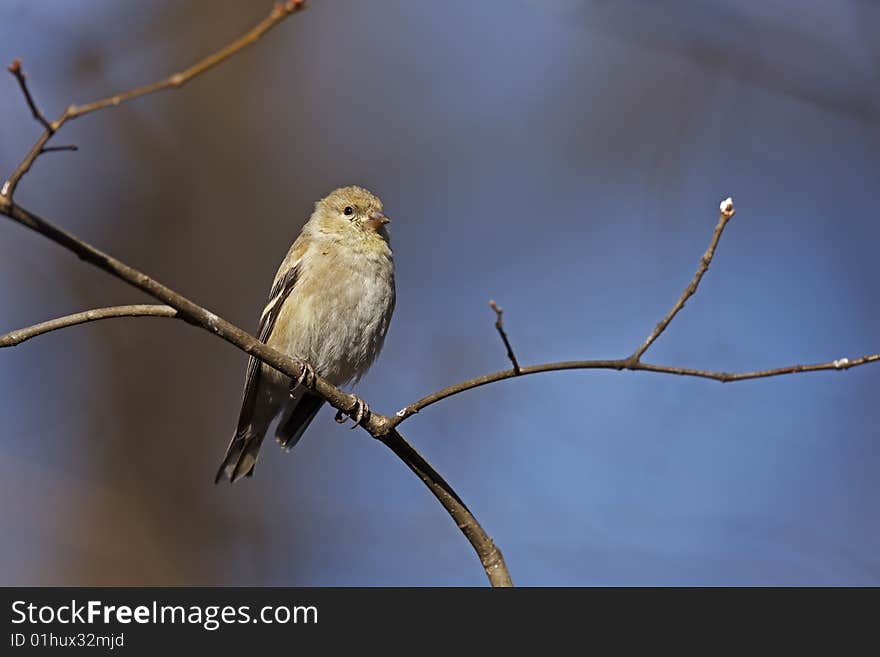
column 376, row 220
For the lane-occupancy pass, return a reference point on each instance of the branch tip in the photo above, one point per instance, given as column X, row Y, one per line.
column 15, row 68
column 287, row 7
column 727, row 207
column 727, row 211
column 499, row 326
column 18, row 336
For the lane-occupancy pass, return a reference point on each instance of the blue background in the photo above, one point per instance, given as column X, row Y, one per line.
column 564, row 157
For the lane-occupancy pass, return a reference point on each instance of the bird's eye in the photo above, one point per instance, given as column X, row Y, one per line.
column 348, row 210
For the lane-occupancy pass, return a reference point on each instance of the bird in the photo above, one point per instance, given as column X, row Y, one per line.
column 330, row 307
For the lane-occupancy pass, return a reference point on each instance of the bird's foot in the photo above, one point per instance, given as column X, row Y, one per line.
column 358, row 412
column 306, row 378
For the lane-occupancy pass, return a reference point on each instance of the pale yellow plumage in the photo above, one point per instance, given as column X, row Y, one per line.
column 330, row 305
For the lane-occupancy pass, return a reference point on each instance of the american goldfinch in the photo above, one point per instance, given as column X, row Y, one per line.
column 330, row 306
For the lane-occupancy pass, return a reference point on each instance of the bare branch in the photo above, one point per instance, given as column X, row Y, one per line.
column 53, row 149
column 490, row 555
column 499, row 325
column 16, row 70
column 726, row 214
column 18, row 336
column 477, row 382
column 279, row 12
column 633, row 362
column 730, row 377
column 621, row 364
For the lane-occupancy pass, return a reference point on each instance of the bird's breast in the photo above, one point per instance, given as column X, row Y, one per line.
column 338, row 313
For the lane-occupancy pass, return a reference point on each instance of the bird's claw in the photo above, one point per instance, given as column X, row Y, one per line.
column 358, row 412
column 306, row 378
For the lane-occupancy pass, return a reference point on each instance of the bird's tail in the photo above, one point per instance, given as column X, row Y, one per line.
column 296, row 419
column 241, row 455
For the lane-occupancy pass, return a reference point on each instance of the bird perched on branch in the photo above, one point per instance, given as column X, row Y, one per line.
column 330, row 306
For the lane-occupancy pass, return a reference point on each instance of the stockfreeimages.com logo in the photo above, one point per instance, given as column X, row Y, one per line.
column 210, row 617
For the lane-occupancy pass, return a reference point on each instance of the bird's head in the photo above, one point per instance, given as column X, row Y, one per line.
column 353, row 212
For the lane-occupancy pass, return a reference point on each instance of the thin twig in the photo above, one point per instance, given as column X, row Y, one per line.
column 499, row 325
column 67, row 147
column 18, row 336
column 279, row 12
column 731, row 377
column 40, row 147
column 18, row 72
column 726, row 213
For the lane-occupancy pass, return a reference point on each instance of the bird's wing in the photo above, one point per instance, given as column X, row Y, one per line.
column 285, row 281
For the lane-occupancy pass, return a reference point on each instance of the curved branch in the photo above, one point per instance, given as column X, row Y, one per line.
column 621, row 364
column 18, row 336
column 279, row 12
column 457, row 388
column 490, row 555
